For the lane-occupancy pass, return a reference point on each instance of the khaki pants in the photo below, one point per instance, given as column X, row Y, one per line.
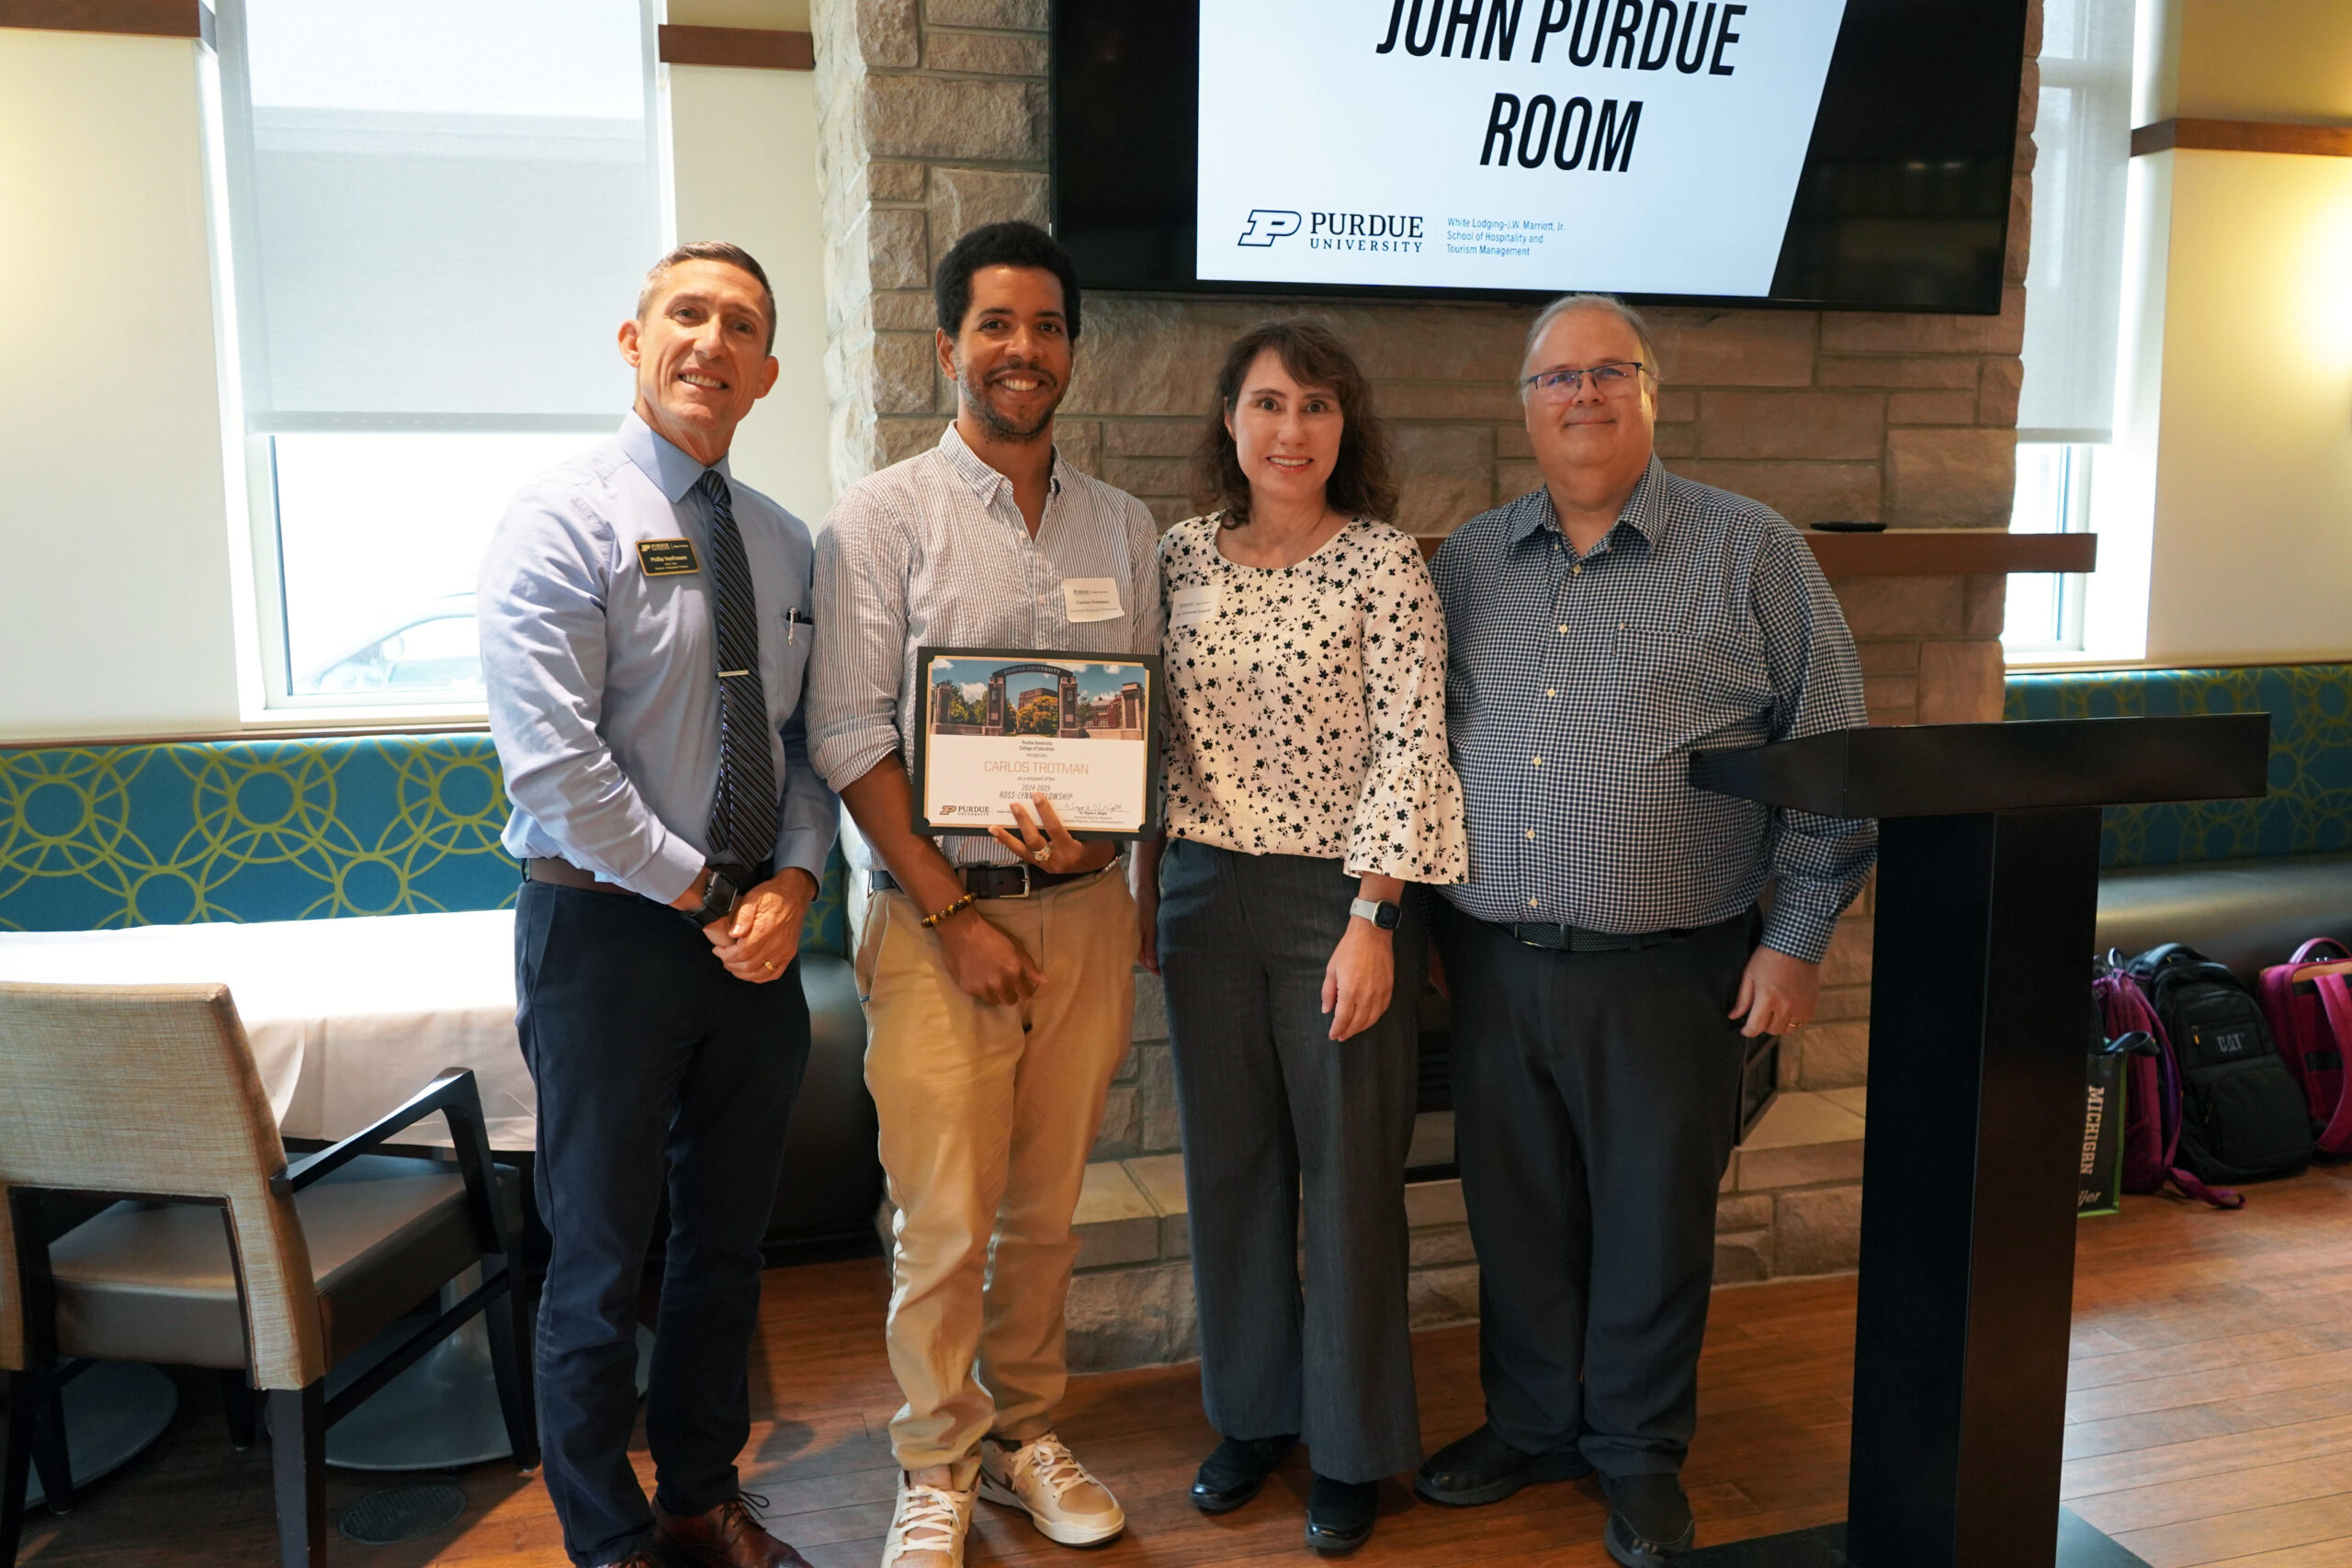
column 987, row 1114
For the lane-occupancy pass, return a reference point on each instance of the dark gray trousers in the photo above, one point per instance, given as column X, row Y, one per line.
column 1596, row 1099
column 655, row 1067
column 1267, row 1101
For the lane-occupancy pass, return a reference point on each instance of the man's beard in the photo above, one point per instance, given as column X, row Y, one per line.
column 998, row 427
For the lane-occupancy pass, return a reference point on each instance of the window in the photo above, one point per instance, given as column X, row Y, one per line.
column 2082, row 135
column 2074, row 301
column 438, row 212
column 2046, row 610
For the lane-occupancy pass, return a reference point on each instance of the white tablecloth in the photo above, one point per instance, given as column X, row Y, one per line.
column 347, row 1017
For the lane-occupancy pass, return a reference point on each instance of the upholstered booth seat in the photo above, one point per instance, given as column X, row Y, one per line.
column 155, row 1281
column 2243, row 881
column 106, row 836
column 2244, row 913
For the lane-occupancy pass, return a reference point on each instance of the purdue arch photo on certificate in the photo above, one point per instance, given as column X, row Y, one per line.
column 1001, row 725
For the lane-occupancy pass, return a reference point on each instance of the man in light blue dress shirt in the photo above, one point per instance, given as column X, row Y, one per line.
column 645, row 631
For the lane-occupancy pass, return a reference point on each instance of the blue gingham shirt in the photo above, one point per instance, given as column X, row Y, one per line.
column 1578, row 685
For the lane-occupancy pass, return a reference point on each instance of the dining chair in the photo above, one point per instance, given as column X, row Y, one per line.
column 211, row 1249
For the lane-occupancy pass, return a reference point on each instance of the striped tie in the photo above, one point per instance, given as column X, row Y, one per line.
column 743, row 815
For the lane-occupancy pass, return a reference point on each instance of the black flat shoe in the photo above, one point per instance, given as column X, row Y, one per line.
column 1340, row 1514
column 1649, row 1521
column 1482, row 1468
column 1231, row 1476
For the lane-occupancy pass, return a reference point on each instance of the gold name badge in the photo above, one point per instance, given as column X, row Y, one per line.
column 667, row 557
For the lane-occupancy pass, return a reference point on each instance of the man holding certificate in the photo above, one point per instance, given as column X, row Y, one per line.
column 997, row 969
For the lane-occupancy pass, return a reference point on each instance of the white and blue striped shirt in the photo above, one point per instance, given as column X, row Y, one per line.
column 1578, row 685
column 934, row 552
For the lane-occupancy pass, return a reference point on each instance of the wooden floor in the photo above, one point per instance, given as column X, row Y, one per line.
column 2210, row 1424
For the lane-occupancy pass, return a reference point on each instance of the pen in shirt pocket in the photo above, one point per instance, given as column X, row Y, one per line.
column 793, row 621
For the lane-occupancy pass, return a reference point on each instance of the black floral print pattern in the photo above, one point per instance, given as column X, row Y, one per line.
column 1306, row 704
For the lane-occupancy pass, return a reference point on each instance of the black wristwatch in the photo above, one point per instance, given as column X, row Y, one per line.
column 718, row 899
column 1384, row 914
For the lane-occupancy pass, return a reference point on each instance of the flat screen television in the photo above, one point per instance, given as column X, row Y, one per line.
column 1844, row 154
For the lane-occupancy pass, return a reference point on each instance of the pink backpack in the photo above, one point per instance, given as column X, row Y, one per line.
column 2151, row 1096
column 2308, row 1001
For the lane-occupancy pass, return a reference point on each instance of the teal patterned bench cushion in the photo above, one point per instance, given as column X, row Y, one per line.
column 2309, row 810
column 93, row 837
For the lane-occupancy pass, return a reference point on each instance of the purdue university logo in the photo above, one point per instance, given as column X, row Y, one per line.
column 1268, row 224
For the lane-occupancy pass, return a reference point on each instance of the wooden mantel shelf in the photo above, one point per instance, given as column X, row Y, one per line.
column 1949, row 552
column 1935, row 552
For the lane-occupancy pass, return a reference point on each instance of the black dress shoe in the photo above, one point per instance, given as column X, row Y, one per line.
column 1649, row 1521
column 1482, row 1468
column 1231, row 1476
column 1340, row 1514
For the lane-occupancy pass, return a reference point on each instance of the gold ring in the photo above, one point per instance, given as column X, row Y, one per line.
column 769, row 966
column 1042, row 856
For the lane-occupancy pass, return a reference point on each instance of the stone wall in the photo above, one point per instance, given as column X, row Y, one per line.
column 932, row 118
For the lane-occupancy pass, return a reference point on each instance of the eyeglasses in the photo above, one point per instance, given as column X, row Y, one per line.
column 1612, row 379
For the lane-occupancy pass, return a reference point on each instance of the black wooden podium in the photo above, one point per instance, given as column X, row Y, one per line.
column 1987, row 894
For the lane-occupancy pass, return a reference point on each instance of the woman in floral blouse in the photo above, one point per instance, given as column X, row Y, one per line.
column 1307, row 783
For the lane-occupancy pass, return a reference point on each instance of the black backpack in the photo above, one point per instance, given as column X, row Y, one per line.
column 2243, row 1116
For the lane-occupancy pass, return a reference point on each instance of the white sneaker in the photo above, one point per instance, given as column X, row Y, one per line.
column 927, row 1529
column 1045, row 1480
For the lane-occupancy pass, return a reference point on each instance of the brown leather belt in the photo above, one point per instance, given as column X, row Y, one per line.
column 563, row 874
column 1000, row 881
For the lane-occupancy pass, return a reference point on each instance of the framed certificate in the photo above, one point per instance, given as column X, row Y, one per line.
column 1000, row 724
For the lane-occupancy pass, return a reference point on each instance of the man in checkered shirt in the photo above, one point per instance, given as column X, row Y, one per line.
column 1607, row 956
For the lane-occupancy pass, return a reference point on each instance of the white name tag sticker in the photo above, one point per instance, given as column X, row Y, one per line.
column 1091, row 599
column 1191, row 607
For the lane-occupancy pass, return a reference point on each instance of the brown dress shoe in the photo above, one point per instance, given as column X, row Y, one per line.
column 726, row 1537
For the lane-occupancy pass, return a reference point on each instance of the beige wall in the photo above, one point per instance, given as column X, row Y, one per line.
column 792, row 15
column 117, row 618
column 2289, row 59
column 744, row 168
column 2252, row 555
column 2237, row 420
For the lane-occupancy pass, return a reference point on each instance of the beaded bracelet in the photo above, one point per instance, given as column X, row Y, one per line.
column 957, row 908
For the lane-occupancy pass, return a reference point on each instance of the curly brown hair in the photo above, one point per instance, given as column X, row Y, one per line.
column 1363, row 483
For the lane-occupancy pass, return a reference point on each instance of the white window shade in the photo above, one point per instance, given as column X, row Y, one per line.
column 442, row 209
column 2074, row 279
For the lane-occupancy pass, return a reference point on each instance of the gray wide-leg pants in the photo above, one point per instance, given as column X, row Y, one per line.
column 1268, row 1104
